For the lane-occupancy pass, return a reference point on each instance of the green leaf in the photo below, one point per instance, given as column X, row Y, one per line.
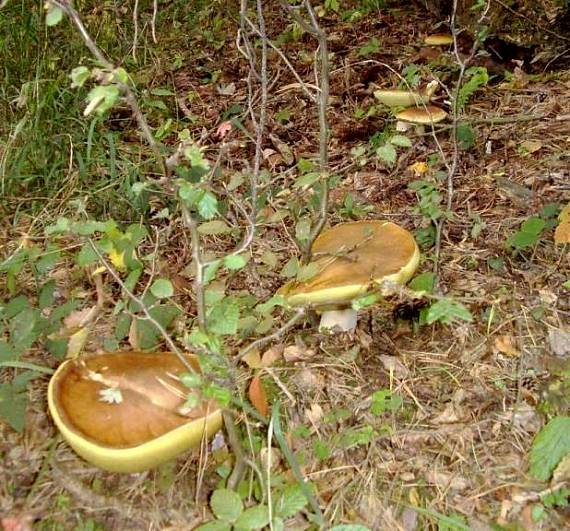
column 308, row 179
column 54, row 15
column 303, row 229
column 46, row 295
column 211, row 270
column 194, row 154
column 86, row 255
column 387, row 153
column 446, row 311
column 291, row 268
column 101, row 99
column 79, row 75
column 215, row 525
column 162, row 288
column 401, row 141
column 549, row 447
column 226, row 505
column 15, row 306
column 147, row 334
column 533, row 225
column 216, row 226
column 255, row 517
column 423, row 282
column 308, row 271
column 364, row 302
column 6, row 351
column 23, row 329
column 13, row 406
column 267, row 306
column 350, row 527
column 190, row 379
column 291, row 501
column 234, row 262
column 383, row 401
column 465, row 135
column 223, row 318
column 208, row 205
column 522, row 240
column 48, row 259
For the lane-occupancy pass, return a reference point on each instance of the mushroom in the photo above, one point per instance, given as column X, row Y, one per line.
column 430, row 114
column 438, row 39
column 126, row 411
column 406, row 98
column 354, row 259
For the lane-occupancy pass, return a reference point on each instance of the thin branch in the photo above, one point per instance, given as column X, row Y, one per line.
column 299, row 314
column 69, row 10
column 143, row 307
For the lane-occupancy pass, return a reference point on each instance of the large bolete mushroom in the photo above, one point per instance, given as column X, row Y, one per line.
column 352, row 260
column 126, row 411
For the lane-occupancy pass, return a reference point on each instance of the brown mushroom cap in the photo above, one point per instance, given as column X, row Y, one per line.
column 422, row 115
column 125, row 411
column 354, row 258
column 438, row 39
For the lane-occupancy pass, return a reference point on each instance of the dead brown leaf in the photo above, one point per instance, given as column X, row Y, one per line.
column 294, row 353
column 505, row 345
column 258, row 397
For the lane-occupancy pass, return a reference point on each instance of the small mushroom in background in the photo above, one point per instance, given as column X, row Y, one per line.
column 430, row 114
column 354, row 259
column 128, row 411
column 438, row 39
column 406, row 98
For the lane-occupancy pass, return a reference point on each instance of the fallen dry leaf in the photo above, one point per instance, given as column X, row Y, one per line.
column 314, row 414
column 77, row 342
column 271, row 356
column 80, row 318
column 445, row 480
column 253, row 359
column 419, row 168
column 294, row 353
column 505, row 345
column 258, row 397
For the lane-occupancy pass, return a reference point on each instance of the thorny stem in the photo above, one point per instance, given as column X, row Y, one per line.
column 69, row 10
column 322, row 98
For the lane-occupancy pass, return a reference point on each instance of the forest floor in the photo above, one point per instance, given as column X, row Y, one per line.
column 454, row 454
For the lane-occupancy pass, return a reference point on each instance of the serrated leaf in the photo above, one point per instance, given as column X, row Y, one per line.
column 291, row 501
column 23, row 329
column 162, row 288
column 234, row 262
column 216, row 226
column 6, row 351
column 46, row 295
column 223, row 318
column 208, row 205
column 446, row 311
column 226, row 505
column 86, row 255
column 387, row 153
column 401, row 141
column 423, row 282
column 253, row 518
column 550, row 446
column 211, row 270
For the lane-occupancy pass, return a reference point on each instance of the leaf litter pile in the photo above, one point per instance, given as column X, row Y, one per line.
column 397, row 426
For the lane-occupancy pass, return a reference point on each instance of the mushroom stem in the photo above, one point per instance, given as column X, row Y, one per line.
column 338, row 320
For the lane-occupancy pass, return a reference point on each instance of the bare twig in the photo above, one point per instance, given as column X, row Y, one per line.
column 70, row 11
column 299, row 314
column 323, row 83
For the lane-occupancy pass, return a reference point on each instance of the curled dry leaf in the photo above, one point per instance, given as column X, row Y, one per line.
column 505, row 345
column 562, row 232
column 294, row 353
column 258, row 397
